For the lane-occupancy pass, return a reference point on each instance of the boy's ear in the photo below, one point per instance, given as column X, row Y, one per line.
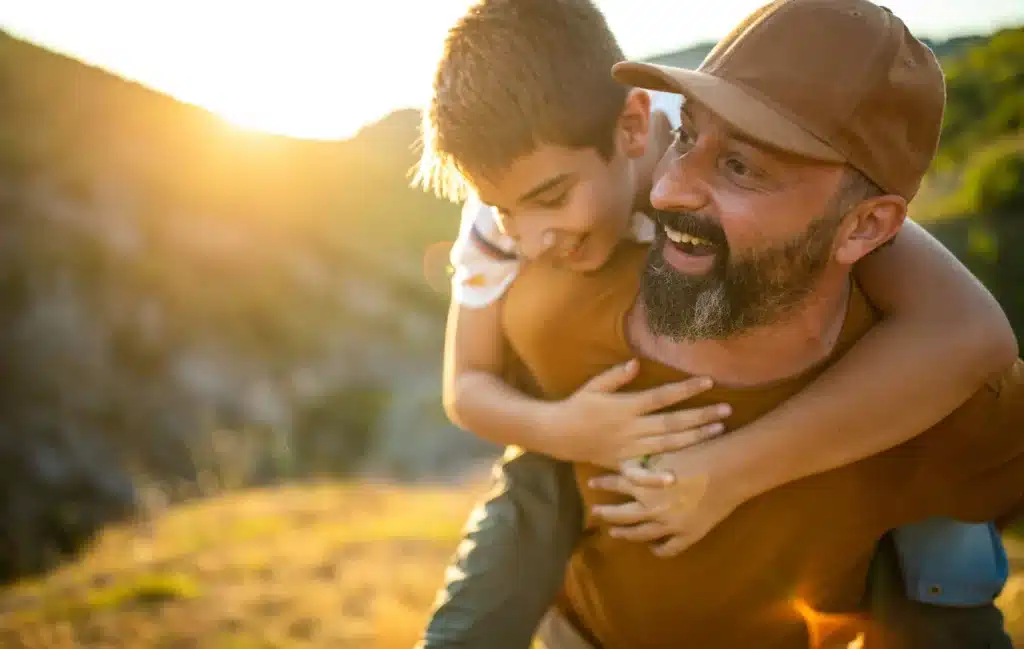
column 868, row 226
column 634, row 123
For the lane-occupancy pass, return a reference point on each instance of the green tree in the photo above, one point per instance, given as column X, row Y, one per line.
column 994, row 179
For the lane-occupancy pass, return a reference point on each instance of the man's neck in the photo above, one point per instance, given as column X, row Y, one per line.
column 762, row 355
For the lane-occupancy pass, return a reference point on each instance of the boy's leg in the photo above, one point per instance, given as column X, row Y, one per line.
column 903, row 623
column 512, row 560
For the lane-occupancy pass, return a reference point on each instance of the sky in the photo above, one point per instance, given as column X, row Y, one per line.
column 323, row 68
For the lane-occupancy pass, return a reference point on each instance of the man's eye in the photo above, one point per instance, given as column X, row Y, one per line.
column 737, row 166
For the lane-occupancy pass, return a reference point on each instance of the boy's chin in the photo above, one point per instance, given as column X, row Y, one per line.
column 591, row 261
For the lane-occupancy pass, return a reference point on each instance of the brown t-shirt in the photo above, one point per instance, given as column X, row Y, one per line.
column 810, row 541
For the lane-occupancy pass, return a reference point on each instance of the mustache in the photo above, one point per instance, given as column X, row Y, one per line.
column 690, row 223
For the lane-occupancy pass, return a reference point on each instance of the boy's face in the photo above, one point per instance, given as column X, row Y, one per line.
column 568, row 205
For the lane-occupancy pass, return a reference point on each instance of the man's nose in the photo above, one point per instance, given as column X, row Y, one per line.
column 680, row 184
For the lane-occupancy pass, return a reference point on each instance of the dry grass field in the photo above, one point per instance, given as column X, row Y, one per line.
column 346, row 566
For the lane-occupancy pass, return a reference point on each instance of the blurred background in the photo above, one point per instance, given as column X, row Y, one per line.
column 222, row 306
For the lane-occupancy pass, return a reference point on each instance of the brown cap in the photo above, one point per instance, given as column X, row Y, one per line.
column 832, row 80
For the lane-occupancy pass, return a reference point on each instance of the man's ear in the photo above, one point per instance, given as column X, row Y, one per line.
column 634, row 123
column 868, row 226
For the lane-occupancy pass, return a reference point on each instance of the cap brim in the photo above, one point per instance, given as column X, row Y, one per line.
column 735, row 106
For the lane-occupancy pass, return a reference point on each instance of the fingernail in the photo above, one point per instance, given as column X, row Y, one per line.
column 724, row 410
column 706, row 383
column 717, row 428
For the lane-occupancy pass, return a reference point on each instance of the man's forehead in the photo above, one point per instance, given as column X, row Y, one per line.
column 697, row 115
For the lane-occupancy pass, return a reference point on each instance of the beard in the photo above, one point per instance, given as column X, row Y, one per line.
column 737, row 294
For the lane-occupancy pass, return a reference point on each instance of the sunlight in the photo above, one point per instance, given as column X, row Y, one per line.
column 305, row 85
column 280, row 116
column 827, row 628
column 309, row 69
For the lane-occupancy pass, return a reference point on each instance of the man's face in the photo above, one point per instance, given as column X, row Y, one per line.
column 570, row 206
column 745, row 234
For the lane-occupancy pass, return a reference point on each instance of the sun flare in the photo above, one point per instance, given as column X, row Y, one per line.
column 316, row 69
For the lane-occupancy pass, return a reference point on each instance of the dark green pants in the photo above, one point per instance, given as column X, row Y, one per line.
column 511, row 564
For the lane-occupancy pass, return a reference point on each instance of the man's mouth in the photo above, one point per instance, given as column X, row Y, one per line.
column 689, row 244
column 689, row 254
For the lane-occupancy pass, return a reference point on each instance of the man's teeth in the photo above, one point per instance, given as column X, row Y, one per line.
column 682, row 237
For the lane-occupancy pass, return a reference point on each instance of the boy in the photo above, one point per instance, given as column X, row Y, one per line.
column 526, row 116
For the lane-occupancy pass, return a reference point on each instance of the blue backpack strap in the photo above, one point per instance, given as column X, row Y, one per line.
column 952, row 563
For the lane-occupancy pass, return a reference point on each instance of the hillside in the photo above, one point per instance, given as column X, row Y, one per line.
column 980, row 166
column 178, row 295
column 691, row 57
column 325, row 567
column 289, row 568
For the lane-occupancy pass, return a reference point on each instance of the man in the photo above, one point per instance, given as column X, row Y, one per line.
column 774, row 190
column 510, row 565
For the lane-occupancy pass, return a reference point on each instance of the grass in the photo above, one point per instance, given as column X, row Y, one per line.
column 353, row 566
column 327, row 566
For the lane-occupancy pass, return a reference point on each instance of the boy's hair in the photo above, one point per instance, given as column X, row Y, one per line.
column 515, row 74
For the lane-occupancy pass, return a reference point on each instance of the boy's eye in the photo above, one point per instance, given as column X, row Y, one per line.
column 557, row 201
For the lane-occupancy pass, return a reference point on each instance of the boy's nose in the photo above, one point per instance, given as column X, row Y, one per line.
column 534, row 243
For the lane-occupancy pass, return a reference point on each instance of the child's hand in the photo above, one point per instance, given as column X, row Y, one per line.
column 671, row 518
column 599, row 426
